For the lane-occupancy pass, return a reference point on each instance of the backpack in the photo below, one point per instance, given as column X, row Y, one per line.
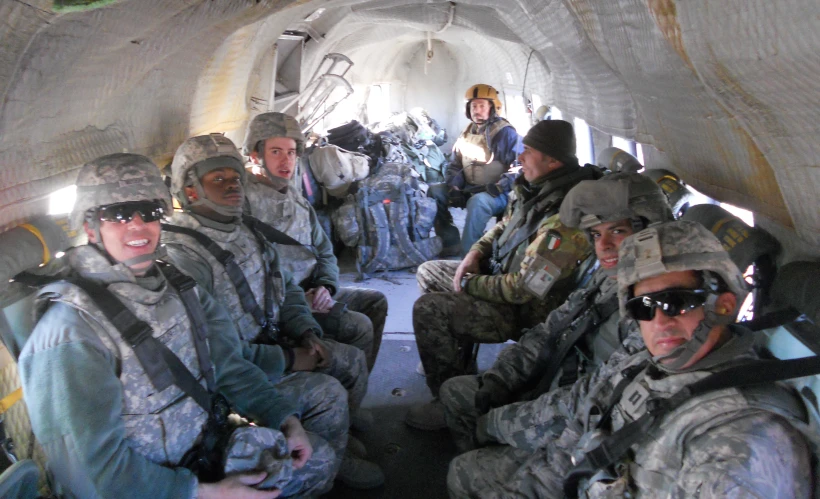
column 336, row 169
column 388, row 220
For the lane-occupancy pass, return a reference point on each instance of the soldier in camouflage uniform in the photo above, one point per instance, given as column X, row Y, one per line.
column 684, row 291
column 585, row 331
column 207, row 179
column 354, row 316
column 512, row 278
column 106, row 428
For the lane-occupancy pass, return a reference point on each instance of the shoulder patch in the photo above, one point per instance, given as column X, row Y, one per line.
column 553, row 240
column 541, row 274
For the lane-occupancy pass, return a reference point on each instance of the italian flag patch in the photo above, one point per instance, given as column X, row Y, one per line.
column 553, row 240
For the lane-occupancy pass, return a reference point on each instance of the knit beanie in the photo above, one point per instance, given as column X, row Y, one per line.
column 555, row 138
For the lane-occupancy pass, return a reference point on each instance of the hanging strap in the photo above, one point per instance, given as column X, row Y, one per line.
column 234, row 271
column 160, row 364
column 613, row 448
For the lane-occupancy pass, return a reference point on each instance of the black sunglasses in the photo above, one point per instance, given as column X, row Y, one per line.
column 672, row 302
column 150, row 211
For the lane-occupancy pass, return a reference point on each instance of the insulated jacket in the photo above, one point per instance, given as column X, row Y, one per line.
column 564, row 247
column 106, row 431
column 311, row 266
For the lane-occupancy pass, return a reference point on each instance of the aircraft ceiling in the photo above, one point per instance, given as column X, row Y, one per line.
column 725, row 91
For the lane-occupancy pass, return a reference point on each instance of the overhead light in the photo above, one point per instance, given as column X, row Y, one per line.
column 316, row 15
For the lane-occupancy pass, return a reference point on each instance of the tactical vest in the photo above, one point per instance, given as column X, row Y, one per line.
column 289, row 213
column 658, row 457
column 477, row 160
column 251, row 259
column 159, row 426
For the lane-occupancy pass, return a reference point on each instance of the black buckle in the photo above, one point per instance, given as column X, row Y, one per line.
column 137, row 334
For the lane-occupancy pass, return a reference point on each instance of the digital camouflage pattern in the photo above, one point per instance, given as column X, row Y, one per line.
column 289, row 212
column 673, row 247
column 348, row 364
column 612, row 198
column 268, row 125
column 160, row 426
column 195, row 150
column 117, row 178
column 717, row 444
column 315, row 265
column 253, row 449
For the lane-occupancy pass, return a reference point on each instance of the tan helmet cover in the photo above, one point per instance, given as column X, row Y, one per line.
column 267, row 125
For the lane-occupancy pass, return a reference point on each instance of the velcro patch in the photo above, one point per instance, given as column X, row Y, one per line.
column 540, row 276
column 553, row 240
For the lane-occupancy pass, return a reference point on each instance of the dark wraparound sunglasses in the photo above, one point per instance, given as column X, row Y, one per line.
column 149, row 211
column 672, row 302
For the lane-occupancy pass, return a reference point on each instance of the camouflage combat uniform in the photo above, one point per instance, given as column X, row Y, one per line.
column 724, row 443
column 519, row 367
column 287, row 306
column 105, row 428
column 495, row 308
column 362, row 322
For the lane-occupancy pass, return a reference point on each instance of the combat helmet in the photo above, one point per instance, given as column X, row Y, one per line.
column 680, row 246
column 266, row 125
column 198, row 156
column 112, row 179
column 482, row 91
column 618, row 160
column 615, row 197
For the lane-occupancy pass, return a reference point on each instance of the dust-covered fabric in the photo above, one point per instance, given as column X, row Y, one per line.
column 724, row 443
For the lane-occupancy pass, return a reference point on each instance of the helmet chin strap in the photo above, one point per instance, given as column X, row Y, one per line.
column 279, row 183
column 202, row 200
column 681, row 355
column 158, row 254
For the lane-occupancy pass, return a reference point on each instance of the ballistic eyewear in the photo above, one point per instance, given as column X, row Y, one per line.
column 671, row 302
column 149, row 211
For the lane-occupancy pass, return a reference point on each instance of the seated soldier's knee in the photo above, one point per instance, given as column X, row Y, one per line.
column 480, row 203
column 426, row 306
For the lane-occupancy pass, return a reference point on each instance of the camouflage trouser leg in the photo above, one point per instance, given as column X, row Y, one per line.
column 348, row 366
column 314, row 478
column 436, row 276
column 323, row 403
column 447, row 324
column 504, row 472
column 458, row 397
column 373, row 304
column 350, row 328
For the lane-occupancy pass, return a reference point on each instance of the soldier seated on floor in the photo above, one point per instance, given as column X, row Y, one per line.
column 512, row 278
column 585, row 330
column 231, row 257
column 349, row 315
column 640, row 424
column 131, row 370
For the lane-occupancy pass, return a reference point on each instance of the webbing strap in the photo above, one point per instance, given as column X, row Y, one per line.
column 616, row 445
column 10, row 399
column 234, row 271
column 160, row 364
column 185, row 287
column 36, row 232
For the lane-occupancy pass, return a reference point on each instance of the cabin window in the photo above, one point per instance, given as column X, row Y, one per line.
column 626, row 145
column 639, row 155
column 583, row 142
column 61, row 201
column 556, row 113
column 378, row 102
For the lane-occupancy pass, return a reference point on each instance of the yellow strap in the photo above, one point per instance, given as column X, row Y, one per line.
column 34, row 230
column 10, row 399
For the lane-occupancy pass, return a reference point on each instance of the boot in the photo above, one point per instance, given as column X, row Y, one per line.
column 356, row 447
column 361, row 420
column 428, row 417
column 357, row 473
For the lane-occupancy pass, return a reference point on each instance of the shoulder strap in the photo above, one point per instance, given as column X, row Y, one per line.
column 613, row 448
column 270, row 232
column 161, row 365
column 234, row 271
column 588, row 320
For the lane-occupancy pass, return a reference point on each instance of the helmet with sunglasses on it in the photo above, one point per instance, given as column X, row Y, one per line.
column 673, row 247
column 115, row 187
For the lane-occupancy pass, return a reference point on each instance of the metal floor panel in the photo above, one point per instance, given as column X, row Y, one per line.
column 414, row 461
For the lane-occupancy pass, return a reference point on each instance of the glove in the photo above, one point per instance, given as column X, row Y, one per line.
column 493, row 190
column 457, row 198
column 491, row 394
